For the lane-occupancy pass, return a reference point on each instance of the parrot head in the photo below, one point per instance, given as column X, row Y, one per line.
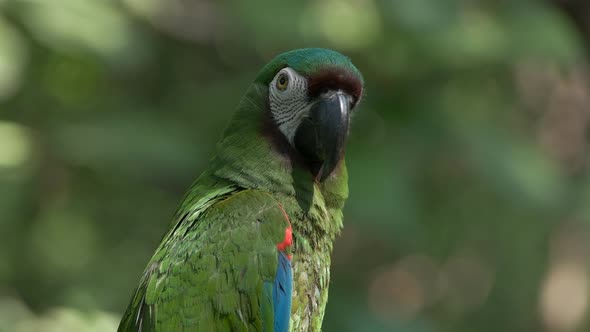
column 312, row 94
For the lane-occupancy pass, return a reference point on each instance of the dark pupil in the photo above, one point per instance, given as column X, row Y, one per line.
column 282, row 80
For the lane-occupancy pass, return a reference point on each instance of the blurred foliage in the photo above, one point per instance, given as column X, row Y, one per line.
column 468, row 158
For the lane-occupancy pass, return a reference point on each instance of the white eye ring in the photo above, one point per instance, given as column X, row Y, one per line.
column 282, row 81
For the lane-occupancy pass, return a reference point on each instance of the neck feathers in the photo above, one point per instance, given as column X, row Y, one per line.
column 253, row 154
column 245, row 156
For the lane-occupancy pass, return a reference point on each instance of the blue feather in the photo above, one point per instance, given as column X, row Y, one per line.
column 281, row 294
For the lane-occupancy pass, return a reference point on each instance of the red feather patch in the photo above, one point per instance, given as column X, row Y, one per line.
column 288, row 240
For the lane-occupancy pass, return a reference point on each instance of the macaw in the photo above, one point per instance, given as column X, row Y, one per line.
column 249, row 247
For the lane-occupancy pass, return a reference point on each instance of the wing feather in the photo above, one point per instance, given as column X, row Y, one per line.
column 211, row 273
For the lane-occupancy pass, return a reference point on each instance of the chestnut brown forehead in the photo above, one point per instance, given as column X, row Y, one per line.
column 335, row 79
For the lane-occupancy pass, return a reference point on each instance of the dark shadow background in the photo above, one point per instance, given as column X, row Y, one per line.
column 468, row 160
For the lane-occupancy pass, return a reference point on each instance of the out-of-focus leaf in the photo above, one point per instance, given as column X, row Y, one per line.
column 345, row 24
column 13, row 59
column 94, row 26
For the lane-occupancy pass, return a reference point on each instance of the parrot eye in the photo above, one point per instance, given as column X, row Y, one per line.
column 282, row 82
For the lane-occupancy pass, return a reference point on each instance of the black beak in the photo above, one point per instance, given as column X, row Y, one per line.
column 321, row 137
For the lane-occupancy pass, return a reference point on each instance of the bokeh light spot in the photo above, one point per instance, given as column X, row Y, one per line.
column 13, row 57
column 402, row 290
column 465, row 281
column 348, row 24
column 15, row 145
column 564, row 296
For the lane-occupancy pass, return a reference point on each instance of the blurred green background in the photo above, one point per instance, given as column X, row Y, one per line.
column 468, row 160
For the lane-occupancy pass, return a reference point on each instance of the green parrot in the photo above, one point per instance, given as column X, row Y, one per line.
column 249, row 247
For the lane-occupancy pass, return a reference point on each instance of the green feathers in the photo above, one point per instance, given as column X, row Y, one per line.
column 306, row 61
